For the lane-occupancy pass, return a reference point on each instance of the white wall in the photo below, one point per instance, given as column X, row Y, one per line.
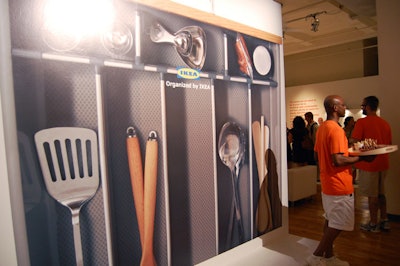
column 344, row 61
column 385, row 87
column 8, row 253
column 388, row 12
column 251, row 13
column 264, row 15
column 352, row 90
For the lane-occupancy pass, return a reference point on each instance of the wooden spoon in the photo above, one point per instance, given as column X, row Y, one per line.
column 136, row 173
column 264, row 218
column 150, row 189
column 266, row 147
column 256, row 128
column 261, row 145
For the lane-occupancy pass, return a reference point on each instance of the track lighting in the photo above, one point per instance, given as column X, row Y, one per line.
column 315, row 20
column 315, row 24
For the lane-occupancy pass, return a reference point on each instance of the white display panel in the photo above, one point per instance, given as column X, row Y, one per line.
column 260, row 14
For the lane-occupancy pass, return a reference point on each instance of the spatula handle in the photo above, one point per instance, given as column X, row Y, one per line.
column 77, row 237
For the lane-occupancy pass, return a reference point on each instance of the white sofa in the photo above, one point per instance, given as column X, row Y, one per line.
column 302, row 182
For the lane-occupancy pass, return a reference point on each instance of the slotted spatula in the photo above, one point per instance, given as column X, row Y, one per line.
column 69, row 162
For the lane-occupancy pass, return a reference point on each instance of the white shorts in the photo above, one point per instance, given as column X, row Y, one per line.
column 339, row 211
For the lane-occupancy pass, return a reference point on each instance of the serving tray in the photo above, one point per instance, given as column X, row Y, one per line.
column 382, row 149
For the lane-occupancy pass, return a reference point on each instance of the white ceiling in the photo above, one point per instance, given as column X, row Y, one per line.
column 341, row 21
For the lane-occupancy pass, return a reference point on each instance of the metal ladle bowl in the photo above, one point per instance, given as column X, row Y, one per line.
column 189, row 42
column 118, row 39
column 231, row 147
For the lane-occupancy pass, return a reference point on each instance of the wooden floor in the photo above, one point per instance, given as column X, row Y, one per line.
column 357, row 247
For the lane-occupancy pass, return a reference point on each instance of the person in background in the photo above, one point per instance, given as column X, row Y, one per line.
column 289, row 152
column 296, row 135
column 348, row 129
column 320, row 121
column 348, row 126
column 312, row 128
column 372, row 175
column 337, row 190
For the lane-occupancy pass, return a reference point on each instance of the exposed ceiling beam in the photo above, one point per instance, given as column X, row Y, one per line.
column 302, row 8
column 353, row 15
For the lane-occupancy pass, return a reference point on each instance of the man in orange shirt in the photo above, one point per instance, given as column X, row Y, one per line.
column 372, row 175
column 331, row 149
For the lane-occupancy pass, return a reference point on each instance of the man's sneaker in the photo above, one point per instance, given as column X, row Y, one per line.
column 334, row 261
column 385, row 225
column 315, row 261
column 370, row 228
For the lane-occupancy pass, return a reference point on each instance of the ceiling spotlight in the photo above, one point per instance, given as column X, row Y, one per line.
column 315, row 20
column 315, row 24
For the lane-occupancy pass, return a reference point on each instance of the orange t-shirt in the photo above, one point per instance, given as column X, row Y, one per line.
column 373, row 127
column 331, row 139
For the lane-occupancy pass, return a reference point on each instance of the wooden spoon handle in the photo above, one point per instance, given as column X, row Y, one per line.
column 150, row 189
column 136, row 173
column 264, row 214
column 256, row 128
column 262, row 145
column 266, row 147
column 267, row 180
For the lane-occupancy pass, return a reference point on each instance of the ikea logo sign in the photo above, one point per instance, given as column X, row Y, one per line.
column 188, row 73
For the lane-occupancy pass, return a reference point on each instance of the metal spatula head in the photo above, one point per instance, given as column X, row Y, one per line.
column 69, row 162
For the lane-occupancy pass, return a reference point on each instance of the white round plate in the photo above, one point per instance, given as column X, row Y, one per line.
column 262, row 60
column 382, row 149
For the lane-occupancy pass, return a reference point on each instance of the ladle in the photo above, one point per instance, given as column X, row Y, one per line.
column 117, row 39
column 189, row 42
column 231, row 149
